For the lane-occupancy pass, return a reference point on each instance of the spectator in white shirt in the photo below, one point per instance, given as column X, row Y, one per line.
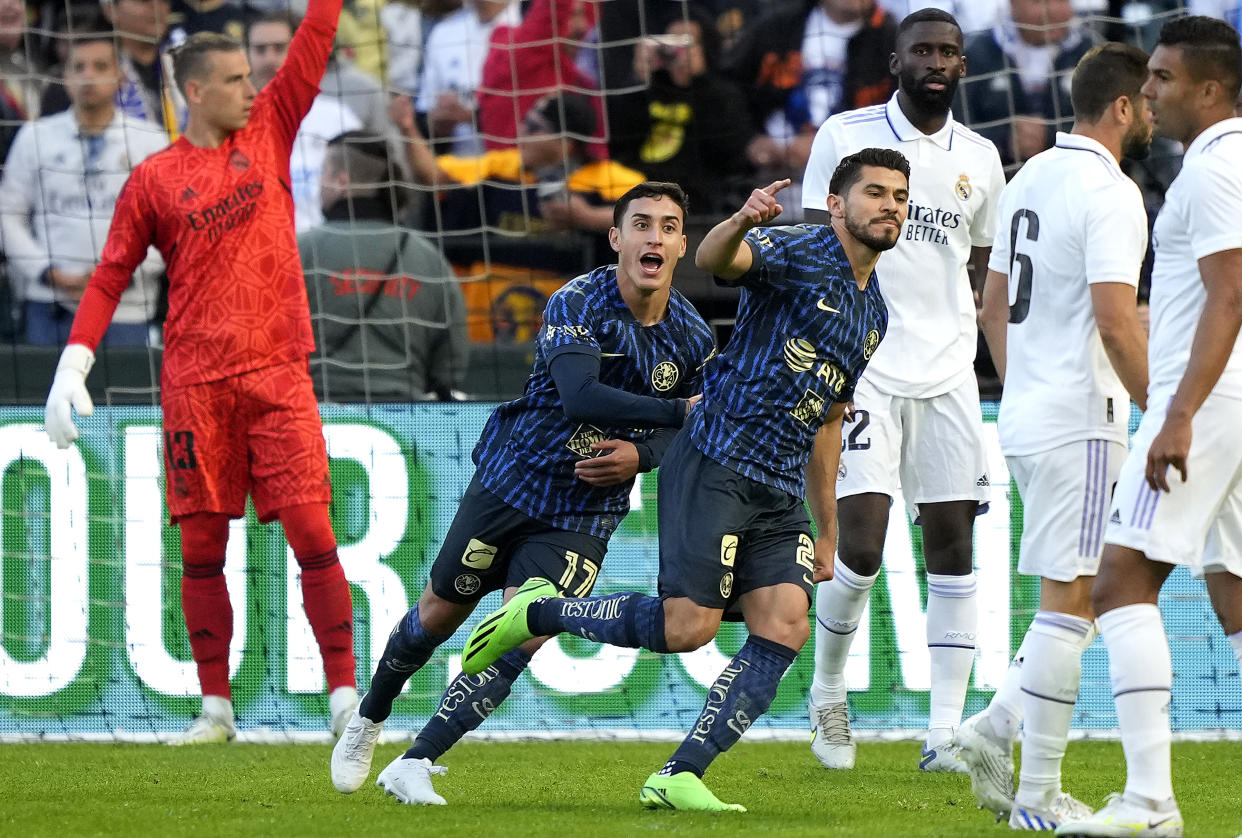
column 61, row 183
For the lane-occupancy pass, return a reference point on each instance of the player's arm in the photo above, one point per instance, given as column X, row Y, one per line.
column 979, row 257
column 585, row 399
column 1125, row 342
column 293, row 89
column 1213, row 342
column 723, row 252
column 821, row 489
column 995, row 318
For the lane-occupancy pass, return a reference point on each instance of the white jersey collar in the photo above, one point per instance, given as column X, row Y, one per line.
column 1212, row 133
column 907, row 132
column 1084, row 143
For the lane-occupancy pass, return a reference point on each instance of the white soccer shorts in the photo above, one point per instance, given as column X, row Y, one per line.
column 1197, row 523
column 1066, row 493
column 931, row 448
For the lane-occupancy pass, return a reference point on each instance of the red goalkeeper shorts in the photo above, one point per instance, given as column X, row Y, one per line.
column 257, row 433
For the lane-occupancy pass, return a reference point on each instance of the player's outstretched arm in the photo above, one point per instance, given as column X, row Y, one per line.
column 1125, row 342
column 68, row 393
column 821, row 489
column 995, row 318
column 722, row 252
column 585, row 399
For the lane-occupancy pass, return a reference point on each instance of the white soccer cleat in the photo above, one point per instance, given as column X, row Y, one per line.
column 1047, row 816
column 1128, row 816
column 409, row 780
column 989, row 759
column 942, row 758
column 215, row 725
column 341, row 706
column 832, row 741
column 351, row 757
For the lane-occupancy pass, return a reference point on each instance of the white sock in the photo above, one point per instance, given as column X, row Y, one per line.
column 1142, row 674
column 839, row 604
column 1054, row 646
column 1005, row 709
column 1235, row 640
column 952, row 623
column 218, row 707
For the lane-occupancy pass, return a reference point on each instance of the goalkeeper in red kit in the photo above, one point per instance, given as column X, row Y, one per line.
column 240, row 414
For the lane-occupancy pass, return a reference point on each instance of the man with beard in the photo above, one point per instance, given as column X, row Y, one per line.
column 736, row 484
column 1060, row 317
column 914, row 420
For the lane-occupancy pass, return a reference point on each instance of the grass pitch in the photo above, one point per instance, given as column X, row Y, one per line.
column 580, row 790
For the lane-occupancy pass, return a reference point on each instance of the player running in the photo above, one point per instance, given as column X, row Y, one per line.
column 916, row 424
column 735, row 539
column 240, row 415
column 1060, row 316
column 620, row 351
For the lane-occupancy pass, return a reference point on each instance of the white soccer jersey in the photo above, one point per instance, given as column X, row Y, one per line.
column 1201, row 216
column 56, row 203
column 955, row 182
column 328, row 117
column 1069, row 218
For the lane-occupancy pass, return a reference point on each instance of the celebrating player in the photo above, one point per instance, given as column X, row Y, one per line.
column 1060, row 317
column 1194, row 411
column 735, row 540
column 917, row 424
column 239, row 412
column 620, row 350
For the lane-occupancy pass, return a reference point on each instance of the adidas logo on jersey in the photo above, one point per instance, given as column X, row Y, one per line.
column 983, row 481
column 1115, row 518
column 189, row 194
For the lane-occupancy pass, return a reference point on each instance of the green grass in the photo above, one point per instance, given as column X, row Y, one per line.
column 578, row 790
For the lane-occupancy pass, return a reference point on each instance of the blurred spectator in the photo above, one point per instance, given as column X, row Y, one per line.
column 20, row 83
column 267, row 45
column 141, row 27
column 804, row 61
column 732, row 17
column 691, row 124
column 407, row 23
column 389, row 316
column 453, row 69
column 357, row 91
column 1017, row 91
column 360, row 36
column 528, row 61
column 972, row 15
column 60, row 187
column 1229, row 11
column 228, row 17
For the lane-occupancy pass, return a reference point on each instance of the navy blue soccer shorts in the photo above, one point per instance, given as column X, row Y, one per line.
column 723, row 535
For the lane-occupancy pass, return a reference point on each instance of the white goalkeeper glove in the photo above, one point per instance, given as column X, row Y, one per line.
column 68, row 393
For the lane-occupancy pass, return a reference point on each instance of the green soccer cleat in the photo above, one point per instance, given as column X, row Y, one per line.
column 503, row 629
column 682, row 791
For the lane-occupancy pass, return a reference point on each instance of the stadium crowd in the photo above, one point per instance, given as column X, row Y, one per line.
column 501, row 134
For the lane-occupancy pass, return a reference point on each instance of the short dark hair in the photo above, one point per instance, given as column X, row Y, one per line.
column 363, row 157
column 928, row 15
column 93, row 31
column 190, row 59
column 1106, row 73
column 651, row 189
column 1210, row 49
column 849, row 170
column 269, row 17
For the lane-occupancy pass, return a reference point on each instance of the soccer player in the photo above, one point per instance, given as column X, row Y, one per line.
column 239, row 412
column 1060, row 316
column 1194, row 412
column 618, row 363
column 915, row 424
column 735, row 539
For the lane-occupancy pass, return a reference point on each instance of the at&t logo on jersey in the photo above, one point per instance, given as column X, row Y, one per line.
column 665, row 376
column 799, row 354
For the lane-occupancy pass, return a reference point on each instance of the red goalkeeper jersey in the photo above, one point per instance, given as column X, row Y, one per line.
column 223, row 220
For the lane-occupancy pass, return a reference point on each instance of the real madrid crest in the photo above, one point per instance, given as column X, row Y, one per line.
column 664, row 376
column 962, row 188
column 870, row 342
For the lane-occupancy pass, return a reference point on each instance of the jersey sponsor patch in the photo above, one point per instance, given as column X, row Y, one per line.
column 799, row 354
column 665, row 376
column 466, row 584
column 583, row 438
column 478, row 555
column 809, row 408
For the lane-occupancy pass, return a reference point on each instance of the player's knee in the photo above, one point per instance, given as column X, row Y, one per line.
column 439, row 616
column 792, row 633
column 864, row 560
column 204, row 537
column 688, row 626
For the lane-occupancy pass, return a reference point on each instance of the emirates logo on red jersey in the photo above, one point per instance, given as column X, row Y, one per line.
column 238, row 160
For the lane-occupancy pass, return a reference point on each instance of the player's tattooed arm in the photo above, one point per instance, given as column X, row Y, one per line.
column 722, row 251
column 821, row 489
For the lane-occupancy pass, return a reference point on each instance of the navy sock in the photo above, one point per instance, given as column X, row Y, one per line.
column 466, row 703
column 740, row 695
column 409, row 646
column 628, row 619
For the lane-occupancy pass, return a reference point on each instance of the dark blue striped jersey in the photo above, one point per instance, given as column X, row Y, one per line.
column 528, row 448
column 804, row 335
